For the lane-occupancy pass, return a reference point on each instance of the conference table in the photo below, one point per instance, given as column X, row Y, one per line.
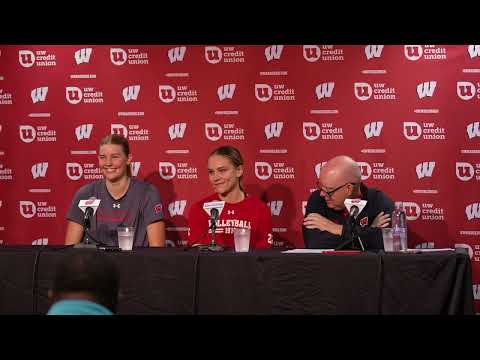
column 182, row 281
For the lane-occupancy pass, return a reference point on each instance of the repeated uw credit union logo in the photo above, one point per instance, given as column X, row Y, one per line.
column 424, row 52
column 87, row 171
column 279, row 92
column 134, row 132
column 426, row 212
column 180, row 170
column 182, row 93
column 229, row 132
column 376, row 170
column 89, row 95
column 312, row 131
column 466, row 171
column 39, row 133
column 132, row 56
column 314, row 53
column 39, row 58
column 363, row 91
column 427, row 131
column 5, row 97
column 41, row 209
column 467, row 90
column 279, row 171
column 227, row 54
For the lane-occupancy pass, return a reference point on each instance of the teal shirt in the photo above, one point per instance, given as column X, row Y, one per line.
column 78, row 307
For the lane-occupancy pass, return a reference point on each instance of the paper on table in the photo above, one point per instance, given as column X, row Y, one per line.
column 428, row 250
column 307, row 251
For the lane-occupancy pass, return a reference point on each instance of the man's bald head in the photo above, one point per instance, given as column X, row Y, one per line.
column 340, row 170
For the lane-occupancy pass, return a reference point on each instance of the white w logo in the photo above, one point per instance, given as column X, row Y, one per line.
column 275, row 207
column 473, row 211
column 273, row 130
column 426, row 89
column 372, row 51
column 177, row 207
column 373, row 129
column 83, row 131
column 273, row 52
column 473, row 129
column 41, row 241
column 176, row 54
column 39, row 94
column 425, row 169
column 474, row 50
column 226, row 91
column 135, row 166
column 324, row 90
column 83, row 55
column 176, row 130
column 476, row 291
column 131, row 92
column 39, row 170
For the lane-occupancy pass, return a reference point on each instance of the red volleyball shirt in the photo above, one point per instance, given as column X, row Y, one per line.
column 251, row 213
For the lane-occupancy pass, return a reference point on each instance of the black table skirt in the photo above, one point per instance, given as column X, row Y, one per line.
column 179, row 281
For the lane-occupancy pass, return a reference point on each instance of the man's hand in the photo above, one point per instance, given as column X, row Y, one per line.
column 382, row 220
column 317, row 221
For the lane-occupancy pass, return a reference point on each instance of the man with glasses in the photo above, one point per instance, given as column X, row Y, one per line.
column 326, row 218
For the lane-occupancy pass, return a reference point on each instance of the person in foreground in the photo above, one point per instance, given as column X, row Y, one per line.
column 84, row 284
column 124, row 201
column 225, row 172
column 325, row 222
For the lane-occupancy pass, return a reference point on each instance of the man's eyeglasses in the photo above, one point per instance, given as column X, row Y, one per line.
column 331, row 192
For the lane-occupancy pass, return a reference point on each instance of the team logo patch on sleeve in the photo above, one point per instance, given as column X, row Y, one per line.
column 158, row 209
column 364, row 221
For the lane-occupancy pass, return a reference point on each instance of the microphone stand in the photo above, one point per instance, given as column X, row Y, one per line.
column 87, row 240
column 352, row 236
column 213, row 245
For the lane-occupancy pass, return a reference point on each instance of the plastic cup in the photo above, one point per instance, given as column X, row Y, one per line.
column 387, row 235
column 125, row 237
column 241, row 238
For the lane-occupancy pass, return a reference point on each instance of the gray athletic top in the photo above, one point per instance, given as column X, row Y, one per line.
column 140, row 206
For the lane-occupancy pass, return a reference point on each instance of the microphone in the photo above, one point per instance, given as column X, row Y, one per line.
column 354, row 208
column 214, row 210
column 213, row 218
column 89, row 208
column 87, row 217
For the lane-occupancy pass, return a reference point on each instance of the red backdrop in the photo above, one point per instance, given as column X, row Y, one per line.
column 408, row 114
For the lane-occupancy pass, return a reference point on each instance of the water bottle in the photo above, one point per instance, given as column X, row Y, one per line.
column 399, row 227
